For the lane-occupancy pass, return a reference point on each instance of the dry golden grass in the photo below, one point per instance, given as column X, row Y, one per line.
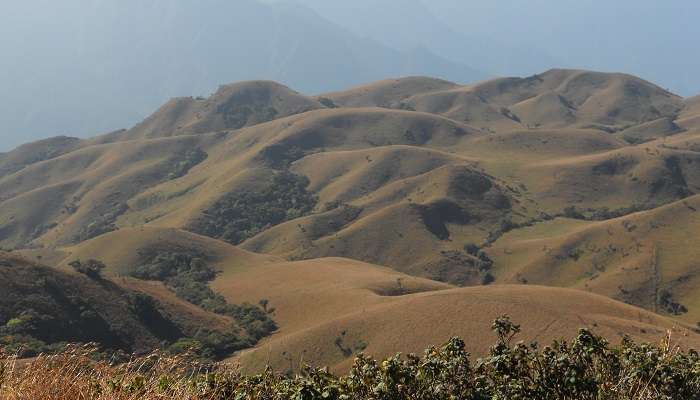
column 690, row 117
column 127, row 248
column 99, row 176
column 387, row 93
column 188, row 116
column 410, row 323
column 76, row 375
column 586, row 367
column 632, row 258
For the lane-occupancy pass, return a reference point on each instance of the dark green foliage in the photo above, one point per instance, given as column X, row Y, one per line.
column 462, row 269
column 281, row 155
column 670, row 305
column 241, row 215
column 328, row 103
column 142, row 304
column 677, row 178
column 572, row 212
column 103, row 223
column 332, row 205
column 348, row 346
column 575, row 254
column 44, row 305
column 185, row 275
column 182, row 163
column 148, row 311
column 436, row 215
column 614, row 166
column 509, row 114
column 188, row 277
column 471, row 249
column 25, row 346
column 238, row 112
column 487, row 278
column 166, row 266
column 484, row 262
column 600, row 214
column 210, row 344
column 605, row 213
column 406, row 107
column 90, row 268
column 506, row 225
column 263, row 303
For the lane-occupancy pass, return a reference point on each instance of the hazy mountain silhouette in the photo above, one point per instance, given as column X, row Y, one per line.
column 407, row 24
column 657, row 41
column 79, row 68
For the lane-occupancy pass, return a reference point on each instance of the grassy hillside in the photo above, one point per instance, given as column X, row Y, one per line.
column 350, row 217
column 410, row 323
column 42, row 308
column 231, row 107
column 556, row 98
column 398, row 187
column 690, row 117
column 646, row 258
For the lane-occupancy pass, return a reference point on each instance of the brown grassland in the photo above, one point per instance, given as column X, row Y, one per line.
column 381, row 219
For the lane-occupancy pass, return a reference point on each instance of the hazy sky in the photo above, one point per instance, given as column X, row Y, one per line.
column 658, row 40
column 82, row 67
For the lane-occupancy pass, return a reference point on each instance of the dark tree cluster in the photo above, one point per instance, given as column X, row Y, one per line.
column 241, row 215
column 188, row 277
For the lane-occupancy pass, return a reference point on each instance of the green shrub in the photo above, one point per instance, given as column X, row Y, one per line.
column 670, row 305
column 104, row 222
column 471, row 249
column 183, row 162
column 90, row 268
column 25, row 346
column 326, row 102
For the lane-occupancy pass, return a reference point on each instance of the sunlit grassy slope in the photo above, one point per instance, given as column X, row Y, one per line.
column 403, row 191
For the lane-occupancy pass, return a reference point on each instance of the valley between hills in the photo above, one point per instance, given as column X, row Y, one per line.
column 380, row 219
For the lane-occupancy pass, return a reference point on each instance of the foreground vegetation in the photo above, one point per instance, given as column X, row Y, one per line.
column 585, row 368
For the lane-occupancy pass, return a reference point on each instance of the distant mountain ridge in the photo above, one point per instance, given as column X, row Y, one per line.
column 175, row 48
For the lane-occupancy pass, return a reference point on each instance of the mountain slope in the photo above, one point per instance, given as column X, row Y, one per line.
column 41, row 303
column 644, row 258
column 386, row 173
column 410, row 323
column 351, row 217
column 231, row 107
column 690, row 117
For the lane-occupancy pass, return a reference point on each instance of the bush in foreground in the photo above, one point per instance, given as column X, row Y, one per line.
column 585, row 368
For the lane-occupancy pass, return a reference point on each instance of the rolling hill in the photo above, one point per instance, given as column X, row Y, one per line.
column 361, row 211
column 41, row 306
column 547, row 314
column 329, row 309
